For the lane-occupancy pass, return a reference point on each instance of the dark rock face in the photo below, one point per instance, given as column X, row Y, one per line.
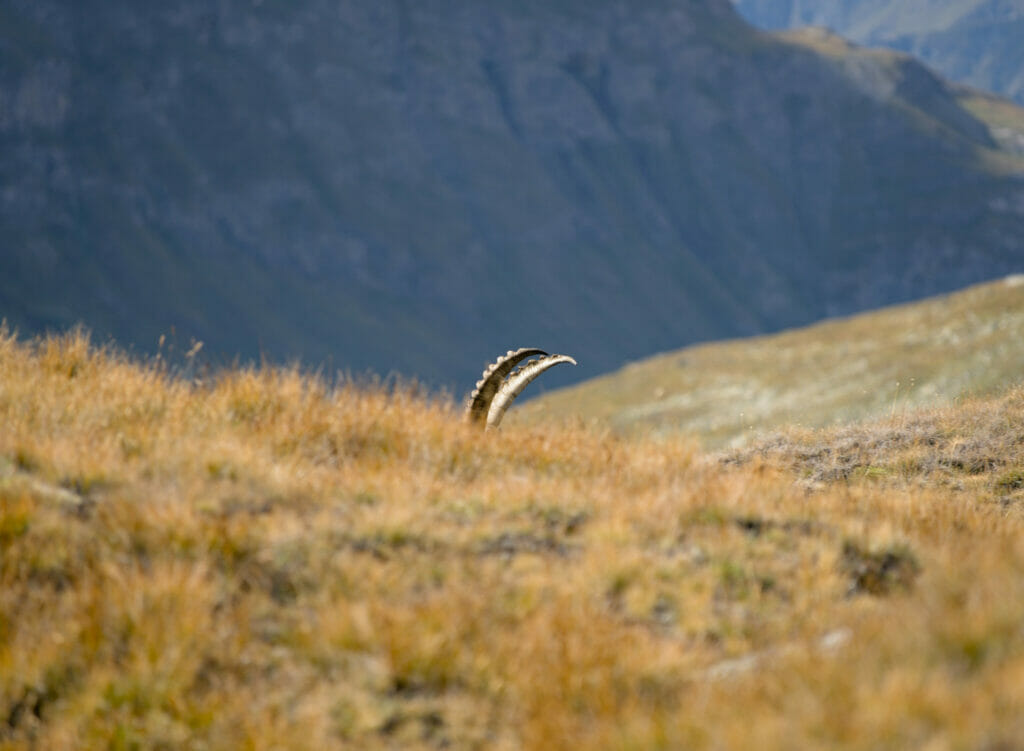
column 364, row 182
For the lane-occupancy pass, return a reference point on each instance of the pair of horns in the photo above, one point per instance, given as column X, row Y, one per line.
column 500, row 384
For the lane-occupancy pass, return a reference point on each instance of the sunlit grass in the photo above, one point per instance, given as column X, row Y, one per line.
column 263, row 560
column 876, row 364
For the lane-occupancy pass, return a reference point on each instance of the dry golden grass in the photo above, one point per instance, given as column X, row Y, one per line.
column 261, row 561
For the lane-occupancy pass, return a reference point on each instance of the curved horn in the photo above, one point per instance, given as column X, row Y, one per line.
column 518, row 381
column 494, row 374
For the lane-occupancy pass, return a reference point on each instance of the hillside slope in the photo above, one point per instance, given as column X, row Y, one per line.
column 416, row 187
column 871, row 365
column 264, row 562
column 976, row 42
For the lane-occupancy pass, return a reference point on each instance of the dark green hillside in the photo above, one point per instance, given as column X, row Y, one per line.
column 420, row 186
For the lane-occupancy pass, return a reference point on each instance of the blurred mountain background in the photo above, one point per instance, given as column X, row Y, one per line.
column 976, row 42
column 386, row 185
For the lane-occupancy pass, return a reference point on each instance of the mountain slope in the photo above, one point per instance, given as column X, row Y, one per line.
column 977, row 42
column 368, row 183
column 872, row 365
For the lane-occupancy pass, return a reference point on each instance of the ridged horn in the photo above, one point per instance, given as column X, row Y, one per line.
column 518, row 381
column 480, row 400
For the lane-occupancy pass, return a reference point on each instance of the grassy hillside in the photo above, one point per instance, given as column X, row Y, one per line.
column 870, row 365
column 976, row 42
column 260, row 561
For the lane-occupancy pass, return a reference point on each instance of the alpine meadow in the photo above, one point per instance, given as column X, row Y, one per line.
column 255, row 253
column 264, row 560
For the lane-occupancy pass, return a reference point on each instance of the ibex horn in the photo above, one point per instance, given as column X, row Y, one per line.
column 518, row 381
column 487, row 386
